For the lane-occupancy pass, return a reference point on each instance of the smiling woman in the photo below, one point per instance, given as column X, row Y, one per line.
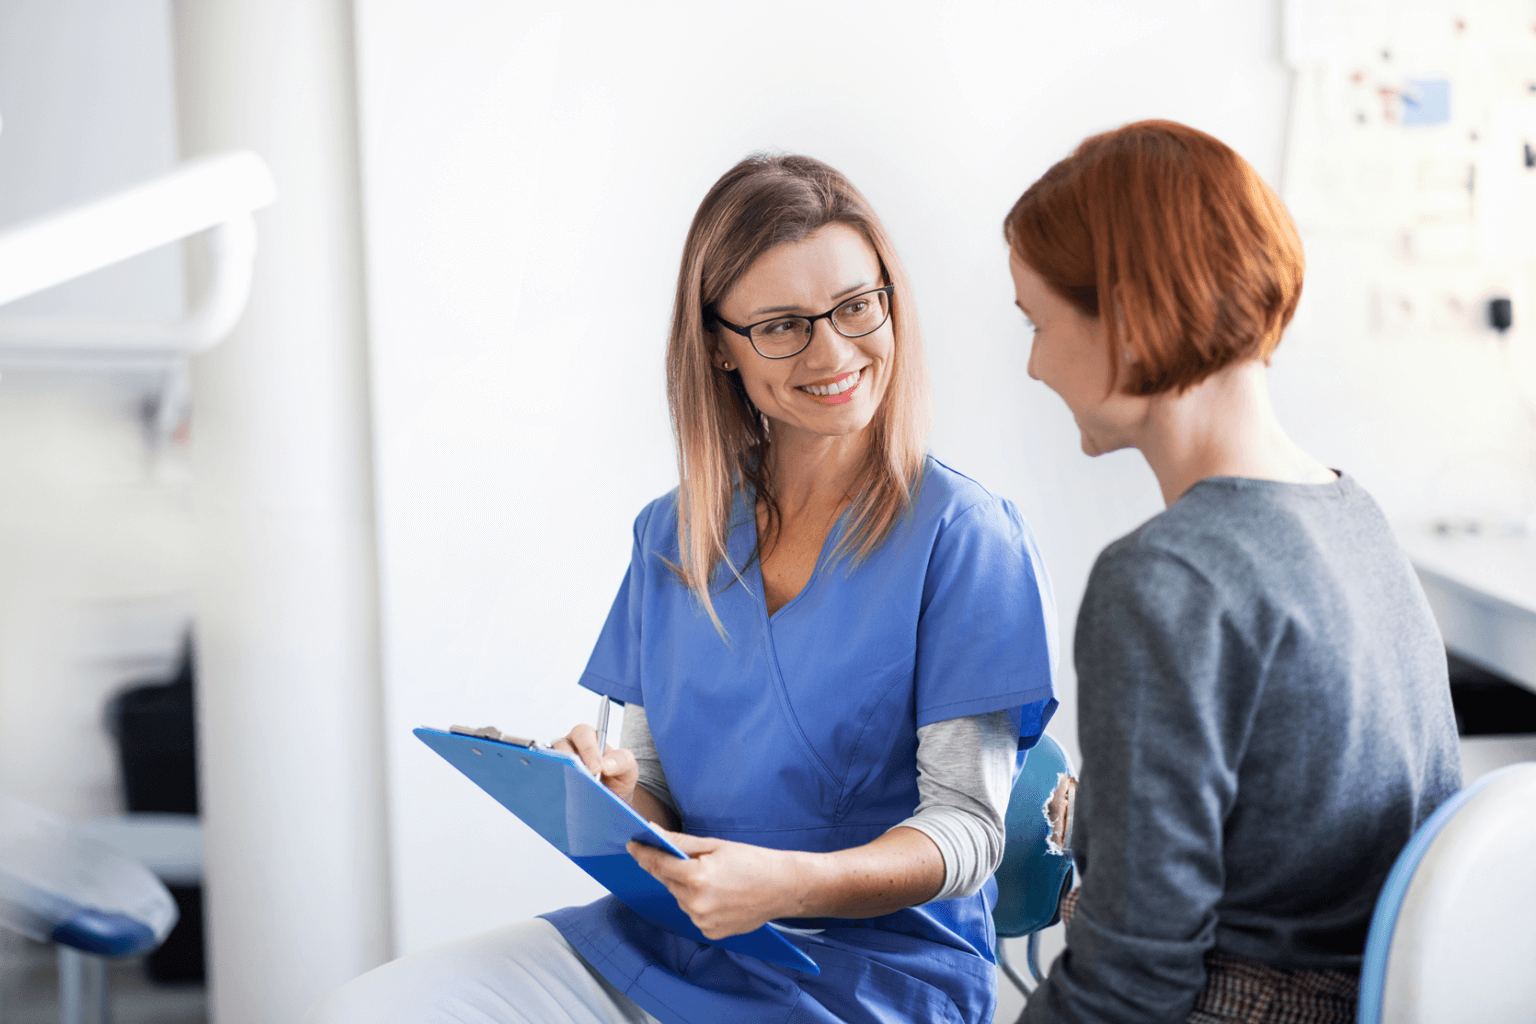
column 790, row 235
column 832, row 649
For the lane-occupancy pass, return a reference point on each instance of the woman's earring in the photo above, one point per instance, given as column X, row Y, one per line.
column 725, row 366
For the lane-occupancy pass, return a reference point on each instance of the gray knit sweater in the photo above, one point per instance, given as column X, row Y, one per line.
column 1264, row 719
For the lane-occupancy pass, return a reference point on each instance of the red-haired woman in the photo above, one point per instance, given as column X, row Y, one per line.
column 831, row 647
column 1262, row 698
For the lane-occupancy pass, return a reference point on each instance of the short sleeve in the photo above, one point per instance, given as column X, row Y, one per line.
column 614, row 667
column 986, row 638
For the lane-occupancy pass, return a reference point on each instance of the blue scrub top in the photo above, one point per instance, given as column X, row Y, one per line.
column 799, row 732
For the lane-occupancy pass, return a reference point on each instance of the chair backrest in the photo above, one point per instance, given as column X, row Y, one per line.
column 1453, row 936
column 1032, row 877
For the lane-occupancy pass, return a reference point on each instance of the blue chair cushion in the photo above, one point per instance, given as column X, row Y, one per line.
column 1032, row 877
column 58, row 885
column 105, row 934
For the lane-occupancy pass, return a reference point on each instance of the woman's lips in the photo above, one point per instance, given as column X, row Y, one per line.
column 838, row 391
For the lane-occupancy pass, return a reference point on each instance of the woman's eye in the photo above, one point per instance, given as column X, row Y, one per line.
column 855, row 307
column 779, row 327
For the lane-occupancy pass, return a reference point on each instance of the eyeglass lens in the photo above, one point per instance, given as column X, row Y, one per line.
column 787, row 335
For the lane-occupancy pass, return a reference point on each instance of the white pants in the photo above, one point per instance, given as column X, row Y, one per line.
column 525, row 974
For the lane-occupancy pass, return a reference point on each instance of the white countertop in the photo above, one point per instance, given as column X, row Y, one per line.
column 1482, row 588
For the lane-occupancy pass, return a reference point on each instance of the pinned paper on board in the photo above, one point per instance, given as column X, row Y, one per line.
column 1427, row 102
column 1414, row 124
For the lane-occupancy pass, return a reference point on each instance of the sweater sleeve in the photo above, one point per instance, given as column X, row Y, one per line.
column 635, row 737
column 964, row 777
column 1165, row 700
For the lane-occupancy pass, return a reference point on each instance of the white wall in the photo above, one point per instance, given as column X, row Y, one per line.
column 530, row 171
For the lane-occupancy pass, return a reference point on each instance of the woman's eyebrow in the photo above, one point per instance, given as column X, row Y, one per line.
column 790, row 309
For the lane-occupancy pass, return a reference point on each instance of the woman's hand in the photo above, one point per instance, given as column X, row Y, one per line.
column 727, row 888
column 615, row 767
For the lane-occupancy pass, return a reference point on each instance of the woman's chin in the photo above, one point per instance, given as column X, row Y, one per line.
column 1095, row 446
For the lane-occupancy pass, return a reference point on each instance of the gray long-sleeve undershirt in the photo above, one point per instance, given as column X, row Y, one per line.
column 964, row 776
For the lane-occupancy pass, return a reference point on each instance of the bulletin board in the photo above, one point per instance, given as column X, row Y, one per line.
column 1410, row 170
column 1414, row 122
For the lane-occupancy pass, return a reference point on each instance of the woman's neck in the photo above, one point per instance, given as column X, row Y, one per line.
column 812, row 472
column 1223, row 426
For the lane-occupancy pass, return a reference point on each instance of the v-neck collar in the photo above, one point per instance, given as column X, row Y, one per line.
column 745, row 514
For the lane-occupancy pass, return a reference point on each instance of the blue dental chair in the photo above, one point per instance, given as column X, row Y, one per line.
column 59, row 886
column 1453, row 935
column 1036, row 874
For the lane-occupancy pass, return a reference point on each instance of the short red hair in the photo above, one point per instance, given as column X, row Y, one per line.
column 1198, row 257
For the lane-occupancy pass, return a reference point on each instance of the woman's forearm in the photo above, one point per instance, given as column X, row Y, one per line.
column 729, row 888
column 652, row 809
column 900, row 869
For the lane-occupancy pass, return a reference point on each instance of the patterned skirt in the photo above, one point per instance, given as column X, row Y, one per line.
column 1243, row 991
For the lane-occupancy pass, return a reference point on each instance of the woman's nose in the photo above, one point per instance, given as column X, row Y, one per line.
column 826, row 347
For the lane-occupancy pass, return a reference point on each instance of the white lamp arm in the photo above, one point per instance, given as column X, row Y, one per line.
column 210, row 317
column 214, row 194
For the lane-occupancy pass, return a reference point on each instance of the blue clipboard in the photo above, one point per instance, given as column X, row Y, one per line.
column 583, row 819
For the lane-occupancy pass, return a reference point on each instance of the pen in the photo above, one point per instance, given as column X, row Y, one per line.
column 602, row 725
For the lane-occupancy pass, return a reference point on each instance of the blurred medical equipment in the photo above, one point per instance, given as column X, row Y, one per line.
column 60, row 886
column 82, row 893
column 1037, row 869
column 209, row 200
column 1451, row 937
column 154, row 723
column 215, row 193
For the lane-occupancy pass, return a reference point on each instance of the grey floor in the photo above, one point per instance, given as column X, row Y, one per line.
column 29, row 990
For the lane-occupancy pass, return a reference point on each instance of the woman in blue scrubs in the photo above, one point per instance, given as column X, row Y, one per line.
column 831, row 646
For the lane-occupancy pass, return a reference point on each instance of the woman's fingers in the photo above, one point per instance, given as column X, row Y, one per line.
column 668, row 869
column 583, row 741
column 616, row 767
column 653, row 860
column 620, row 772
column 692, row 845
column 662, row 863
column 724, row 888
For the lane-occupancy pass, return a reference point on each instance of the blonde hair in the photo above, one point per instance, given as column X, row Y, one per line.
column 722, row 439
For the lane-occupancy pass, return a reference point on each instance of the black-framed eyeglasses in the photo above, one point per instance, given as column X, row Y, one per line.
column 785, row 336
